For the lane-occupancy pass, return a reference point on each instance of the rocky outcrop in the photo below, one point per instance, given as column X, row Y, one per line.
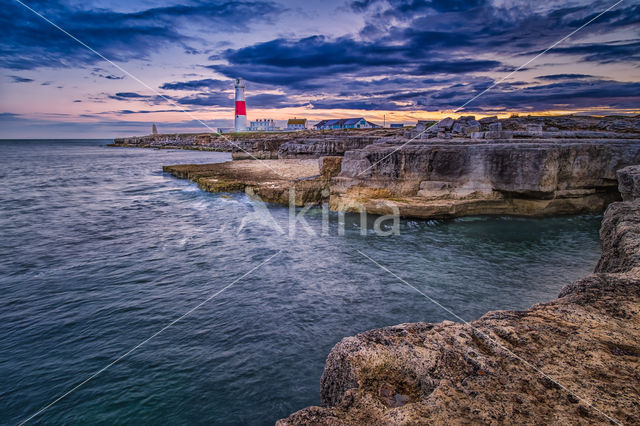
column 571, row 361
column 629, row 182
column 203, row 141
column 530, row 127
column 270, row 180
column 319, row 147
column 439, row 179
column 266, row 145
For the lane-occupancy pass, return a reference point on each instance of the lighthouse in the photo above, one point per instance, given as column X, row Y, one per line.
column 241, row 107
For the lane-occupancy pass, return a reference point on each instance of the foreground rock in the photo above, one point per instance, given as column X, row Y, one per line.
column 629, row 182
column 575, row 360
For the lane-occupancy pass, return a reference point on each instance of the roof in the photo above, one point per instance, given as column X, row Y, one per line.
column 340, row 122
column 297, row 121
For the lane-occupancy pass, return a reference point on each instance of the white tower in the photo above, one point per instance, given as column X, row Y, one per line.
column 241, row 107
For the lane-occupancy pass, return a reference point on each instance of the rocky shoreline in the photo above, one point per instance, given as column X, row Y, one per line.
column 270, row 180
column 528, row 166
column 263, row 145
column 574, row 360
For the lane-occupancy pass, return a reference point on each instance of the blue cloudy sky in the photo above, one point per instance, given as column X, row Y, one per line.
column 403, row 59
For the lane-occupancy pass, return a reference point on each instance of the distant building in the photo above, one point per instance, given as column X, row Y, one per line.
column 226, row 129
column 297, row 124
column 262, row 125
column 154, row 129
column 396, row 125
column 346, row 123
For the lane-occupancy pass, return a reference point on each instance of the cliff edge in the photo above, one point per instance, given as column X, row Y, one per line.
column 575, row 360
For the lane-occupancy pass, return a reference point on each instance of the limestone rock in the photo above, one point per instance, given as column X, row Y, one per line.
column 620, row 236
column 319, row 147
column 423, row 125
column 488, row 120
column 629, row 182
column 508, row 176
column 446, row 123
column 330, row 166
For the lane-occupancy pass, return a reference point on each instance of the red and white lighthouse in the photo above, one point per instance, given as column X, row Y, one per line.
column 241, row 107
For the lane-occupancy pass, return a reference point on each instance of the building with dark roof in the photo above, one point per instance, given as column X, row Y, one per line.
column 345, row 123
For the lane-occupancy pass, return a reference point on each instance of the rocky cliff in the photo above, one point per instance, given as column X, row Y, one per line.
column 456, row 177
column 629, row 182
column 574, row 360
column 266, row 145
column 201, row 141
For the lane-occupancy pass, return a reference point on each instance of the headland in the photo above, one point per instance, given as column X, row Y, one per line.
column 529, row 166
column 572, row 360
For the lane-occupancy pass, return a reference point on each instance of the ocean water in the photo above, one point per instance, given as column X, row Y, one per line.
column 99, row 251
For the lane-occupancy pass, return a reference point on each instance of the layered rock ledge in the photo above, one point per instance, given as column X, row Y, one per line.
column 270, row 180
column 439, row 178
column 527, row 166
column 575, row 360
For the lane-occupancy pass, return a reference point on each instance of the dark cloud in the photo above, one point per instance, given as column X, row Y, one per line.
column 129, row 112
column 99, row 72
column 553, row 77
column 411, row 54
column 207, row 83
column 18, row 79
column 583, row 93
column 316, row 51
column 447, row 43
column 298, row 63
column 364, row 104
column 264, row 100
column 604, row 53
column 562, row 95
column 133, row 96
column 456, row 67
column 207, row 99
column 129, row 95
column 29, row 42
column 268, row 100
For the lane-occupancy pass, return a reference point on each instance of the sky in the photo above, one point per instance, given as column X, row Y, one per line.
column 173, row 62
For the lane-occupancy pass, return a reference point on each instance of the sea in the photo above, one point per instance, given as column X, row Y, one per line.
column 130, row 296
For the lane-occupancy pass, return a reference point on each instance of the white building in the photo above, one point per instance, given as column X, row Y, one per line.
column 263, row 125
column 297, row 124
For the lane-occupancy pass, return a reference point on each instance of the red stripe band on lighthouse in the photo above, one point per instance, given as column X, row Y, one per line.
column 241, row 108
